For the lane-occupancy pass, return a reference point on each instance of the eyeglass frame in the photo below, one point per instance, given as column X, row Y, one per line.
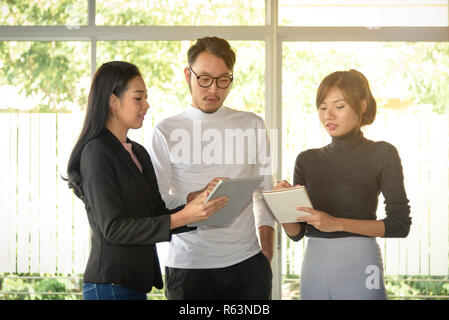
column 231, row 77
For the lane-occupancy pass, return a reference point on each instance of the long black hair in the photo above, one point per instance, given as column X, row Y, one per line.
column 111, row 78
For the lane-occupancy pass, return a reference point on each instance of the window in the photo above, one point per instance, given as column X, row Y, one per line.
column 413, row 115
column 34, row 12
column 371, row 13
column 46, row 83
column 49, row 51
column 181, row 12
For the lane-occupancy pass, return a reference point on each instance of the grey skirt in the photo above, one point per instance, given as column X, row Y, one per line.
column 341, row 269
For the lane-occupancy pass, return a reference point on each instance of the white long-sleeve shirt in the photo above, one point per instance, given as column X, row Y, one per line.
column 190, row 149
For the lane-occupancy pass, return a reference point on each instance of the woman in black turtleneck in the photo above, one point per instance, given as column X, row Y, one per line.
column 344, row 180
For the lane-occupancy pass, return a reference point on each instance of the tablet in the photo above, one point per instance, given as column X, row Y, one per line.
column 240, row 193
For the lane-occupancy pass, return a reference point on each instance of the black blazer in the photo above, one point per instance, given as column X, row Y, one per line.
column 126, row 214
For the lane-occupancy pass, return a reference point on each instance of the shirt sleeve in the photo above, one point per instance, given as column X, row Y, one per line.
column 263, row 168
column 398, row 220
column 160, row 156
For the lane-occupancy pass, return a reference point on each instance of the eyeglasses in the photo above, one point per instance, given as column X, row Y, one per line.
column 205, row 81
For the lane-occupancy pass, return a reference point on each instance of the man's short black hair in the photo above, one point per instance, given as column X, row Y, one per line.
column 214, row 45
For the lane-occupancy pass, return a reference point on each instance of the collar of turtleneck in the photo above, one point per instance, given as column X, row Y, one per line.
column 348, row 140
column 196, row 114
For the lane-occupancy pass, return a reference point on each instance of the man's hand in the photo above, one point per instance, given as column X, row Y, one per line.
column 266, row 235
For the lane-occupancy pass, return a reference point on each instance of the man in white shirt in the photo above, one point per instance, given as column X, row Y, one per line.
column 190, row 152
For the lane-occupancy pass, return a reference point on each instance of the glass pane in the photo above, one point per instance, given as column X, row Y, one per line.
column 44, row 86
column 412, row 95
column 44, row 76
column 162, row 64
column 369, row 13
column 35, row 12
column 181, row 12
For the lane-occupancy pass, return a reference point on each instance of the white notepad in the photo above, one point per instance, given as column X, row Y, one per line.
column 240, row 193
column 283, row 203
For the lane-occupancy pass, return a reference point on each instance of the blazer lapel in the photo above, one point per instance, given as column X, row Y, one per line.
column 124, row 155
column 151, row 186
column 147, row 166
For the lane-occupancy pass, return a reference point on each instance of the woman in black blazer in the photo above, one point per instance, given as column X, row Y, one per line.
column 115, row 179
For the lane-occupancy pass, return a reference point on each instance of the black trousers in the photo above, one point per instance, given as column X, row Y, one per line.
column 246, row 280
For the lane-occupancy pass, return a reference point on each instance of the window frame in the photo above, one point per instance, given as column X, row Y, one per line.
column 271, row 33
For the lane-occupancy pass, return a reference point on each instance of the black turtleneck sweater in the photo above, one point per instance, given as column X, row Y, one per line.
column 345, row 178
